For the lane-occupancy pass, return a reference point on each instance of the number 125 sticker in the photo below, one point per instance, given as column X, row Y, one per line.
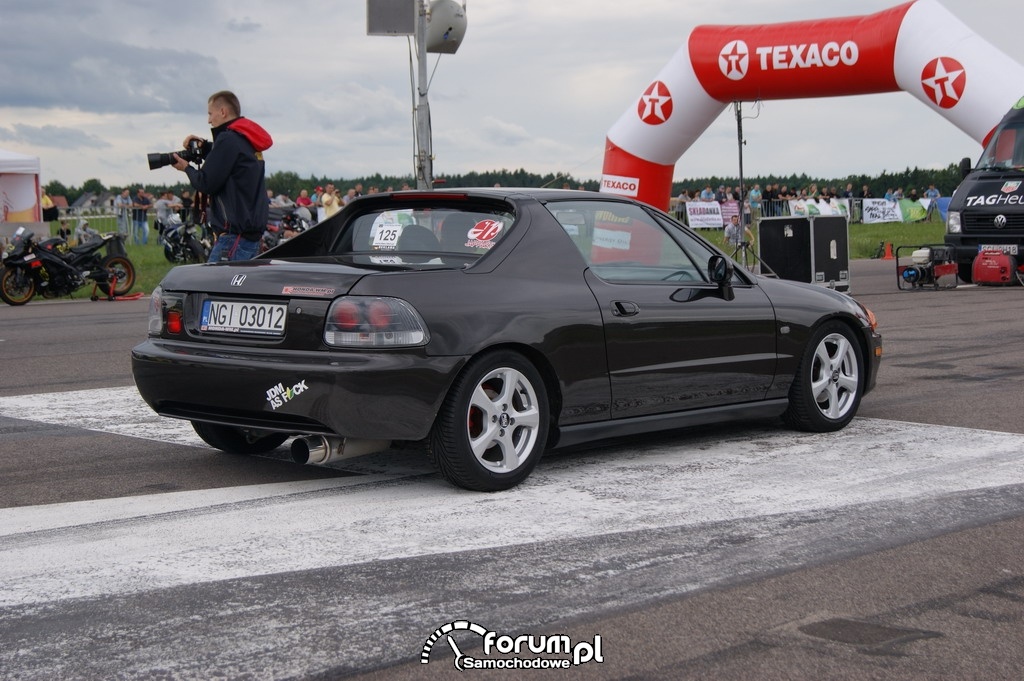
column 386, row 236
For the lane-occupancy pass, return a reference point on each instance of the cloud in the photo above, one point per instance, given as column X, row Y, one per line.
column 74, row 70
column 244, row 25
column 52, row 136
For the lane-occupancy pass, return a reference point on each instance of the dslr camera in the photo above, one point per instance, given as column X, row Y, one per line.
column 195, row 152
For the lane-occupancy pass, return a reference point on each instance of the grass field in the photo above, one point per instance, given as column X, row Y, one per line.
column 151, row 265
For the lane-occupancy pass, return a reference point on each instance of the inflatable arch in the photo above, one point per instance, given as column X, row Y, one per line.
column 918, row 47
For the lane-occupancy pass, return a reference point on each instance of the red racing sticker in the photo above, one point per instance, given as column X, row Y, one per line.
column 944, row 80
column 655, row 105
column 483, row 234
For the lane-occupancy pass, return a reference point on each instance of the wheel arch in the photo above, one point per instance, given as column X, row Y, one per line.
column 544, row 367
column 857, row 328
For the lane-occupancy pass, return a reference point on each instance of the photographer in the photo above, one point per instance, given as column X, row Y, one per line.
column 734, row 232
column 232, row 176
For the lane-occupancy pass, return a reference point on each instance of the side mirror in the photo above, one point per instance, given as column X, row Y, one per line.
column 720, row 272
column 965, row 167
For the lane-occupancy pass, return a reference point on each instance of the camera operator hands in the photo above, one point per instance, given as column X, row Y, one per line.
column 179, row 162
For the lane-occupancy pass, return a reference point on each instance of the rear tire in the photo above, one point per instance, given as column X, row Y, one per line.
column 236, row 441
column 120, row 267
column 16, row 286
column 828, row 385
column 493, row 426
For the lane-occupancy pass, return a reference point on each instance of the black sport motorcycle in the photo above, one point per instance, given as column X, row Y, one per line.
column 52, row 268
column 185, row 242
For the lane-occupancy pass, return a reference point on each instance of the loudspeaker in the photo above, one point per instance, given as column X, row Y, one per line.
column 812, row 249
column 391, row 17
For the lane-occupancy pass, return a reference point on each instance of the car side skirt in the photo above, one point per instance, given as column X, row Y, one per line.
column 569, row 436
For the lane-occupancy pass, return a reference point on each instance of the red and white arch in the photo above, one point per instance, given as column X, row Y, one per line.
column 918, row 47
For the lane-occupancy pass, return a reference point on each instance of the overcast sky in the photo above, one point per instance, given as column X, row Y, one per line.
column 91, row 87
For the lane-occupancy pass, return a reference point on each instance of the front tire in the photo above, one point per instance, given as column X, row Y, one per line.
column 493, row 426
column 965, row 272
column 121, row 272
column 235, row 440
column 16, row 286
column 826, row 391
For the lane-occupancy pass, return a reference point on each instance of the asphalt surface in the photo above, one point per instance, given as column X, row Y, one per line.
column 890, row 551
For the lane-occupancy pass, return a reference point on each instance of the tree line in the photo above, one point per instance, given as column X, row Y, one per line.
column 290, row 183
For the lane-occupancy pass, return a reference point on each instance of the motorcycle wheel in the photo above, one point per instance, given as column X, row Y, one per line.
column 194, row 252
column 16, row 286
column 122, row 272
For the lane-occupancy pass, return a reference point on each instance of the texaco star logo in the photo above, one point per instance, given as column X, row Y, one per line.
column 734, row 60
column 655, row 105
column 944, row 80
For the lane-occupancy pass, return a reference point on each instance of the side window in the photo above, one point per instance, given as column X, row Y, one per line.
column 622, row 243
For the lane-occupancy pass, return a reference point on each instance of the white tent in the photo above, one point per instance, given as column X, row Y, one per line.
column 19, row 191
column 13, row 162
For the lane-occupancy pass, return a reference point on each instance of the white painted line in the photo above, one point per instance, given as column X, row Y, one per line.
column 116, row 546
column 120, row 411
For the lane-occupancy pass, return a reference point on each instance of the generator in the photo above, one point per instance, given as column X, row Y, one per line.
column 927, row 267
column 995, row 268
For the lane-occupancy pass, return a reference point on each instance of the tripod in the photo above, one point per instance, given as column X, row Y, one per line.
column 745, row 255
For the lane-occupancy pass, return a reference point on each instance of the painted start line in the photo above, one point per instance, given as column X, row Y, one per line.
column 393, row 510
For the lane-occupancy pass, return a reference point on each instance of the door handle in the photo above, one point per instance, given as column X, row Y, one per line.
column 625, row 308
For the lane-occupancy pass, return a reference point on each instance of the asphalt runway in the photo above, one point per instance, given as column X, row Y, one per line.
column 891, row 549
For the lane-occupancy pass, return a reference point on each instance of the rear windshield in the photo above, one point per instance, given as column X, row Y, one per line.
column 424, row 235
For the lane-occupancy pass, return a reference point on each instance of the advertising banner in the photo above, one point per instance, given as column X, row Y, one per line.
column 704, row 214
column 880, row 210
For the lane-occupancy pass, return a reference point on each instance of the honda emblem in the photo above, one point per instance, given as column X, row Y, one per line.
column 237, row 279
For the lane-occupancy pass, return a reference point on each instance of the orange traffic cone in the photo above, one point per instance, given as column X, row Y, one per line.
column 888, row 252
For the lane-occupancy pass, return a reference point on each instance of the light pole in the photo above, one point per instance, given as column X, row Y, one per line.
column 739, row 139
column 438, row 27
column 424, row 161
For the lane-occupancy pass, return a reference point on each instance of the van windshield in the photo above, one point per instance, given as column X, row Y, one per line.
column 1006, row 148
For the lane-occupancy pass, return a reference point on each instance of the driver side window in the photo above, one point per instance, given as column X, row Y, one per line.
column 622, row 243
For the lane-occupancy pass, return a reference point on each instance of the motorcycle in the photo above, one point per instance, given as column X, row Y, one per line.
column 52, row 268
column 284, row 225
column 184, row 242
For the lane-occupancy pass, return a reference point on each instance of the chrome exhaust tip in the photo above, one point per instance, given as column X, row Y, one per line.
column 319, row 450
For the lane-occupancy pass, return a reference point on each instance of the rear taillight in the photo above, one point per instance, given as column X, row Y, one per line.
column 174, row 324
column 369, row 322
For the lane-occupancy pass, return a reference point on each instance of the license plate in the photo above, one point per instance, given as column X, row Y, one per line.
column 263, row 319
column 1009, row 249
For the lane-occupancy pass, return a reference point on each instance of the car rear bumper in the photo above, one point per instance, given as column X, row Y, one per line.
column 372, row 395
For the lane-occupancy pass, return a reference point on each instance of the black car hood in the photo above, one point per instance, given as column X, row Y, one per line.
column 310, row 278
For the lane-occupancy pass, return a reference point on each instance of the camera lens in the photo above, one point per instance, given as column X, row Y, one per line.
column 159, row 160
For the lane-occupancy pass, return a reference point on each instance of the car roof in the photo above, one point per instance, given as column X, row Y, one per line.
column 537, row 193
